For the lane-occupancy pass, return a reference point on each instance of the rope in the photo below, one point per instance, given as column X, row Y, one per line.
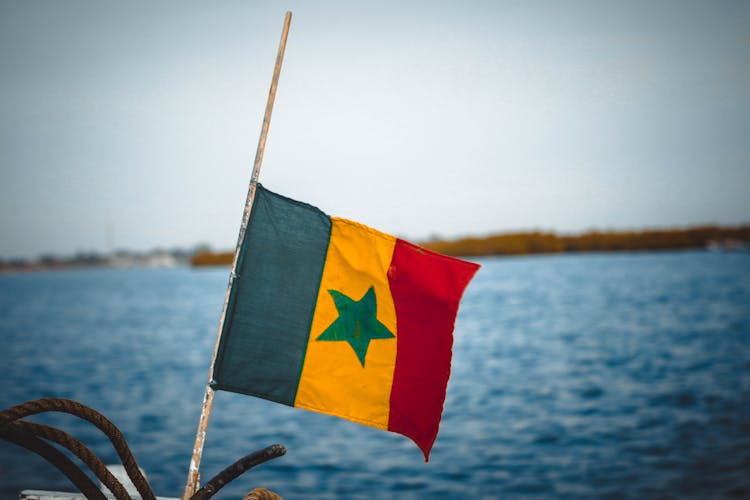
column 78, row 449
column 237, row 469
column 261, row 494
column 27, row 434
column 56, row 458
column 100, row 421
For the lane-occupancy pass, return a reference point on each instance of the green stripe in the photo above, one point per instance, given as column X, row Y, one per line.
column 272, row 301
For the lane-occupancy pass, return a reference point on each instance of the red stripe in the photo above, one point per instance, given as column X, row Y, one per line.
column 426, row 289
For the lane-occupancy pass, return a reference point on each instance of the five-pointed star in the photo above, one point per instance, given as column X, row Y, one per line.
column 357, row 323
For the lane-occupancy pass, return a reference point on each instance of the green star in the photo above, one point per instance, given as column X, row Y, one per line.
column 357, row 323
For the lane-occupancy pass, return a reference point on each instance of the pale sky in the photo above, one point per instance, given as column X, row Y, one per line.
column 134, row 124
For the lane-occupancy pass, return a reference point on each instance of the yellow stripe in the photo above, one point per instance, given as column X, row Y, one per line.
column 333, row 381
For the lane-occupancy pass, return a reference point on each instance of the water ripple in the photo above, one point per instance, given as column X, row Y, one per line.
column 574, row 376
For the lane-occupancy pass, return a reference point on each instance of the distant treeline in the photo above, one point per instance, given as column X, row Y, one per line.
column 709, row 237
column 595, row 241
column 212, row 258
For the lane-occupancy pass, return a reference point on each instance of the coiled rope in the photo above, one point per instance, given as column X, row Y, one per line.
column 28, row 434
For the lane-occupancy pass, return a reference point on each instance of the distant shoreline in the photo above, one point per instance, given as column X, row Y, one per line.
column 529, row 243
column 722, row 238
column 121, row 259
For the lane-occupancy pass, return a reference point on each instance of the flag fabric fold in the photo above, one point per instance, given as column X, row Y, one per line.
column 335, row 317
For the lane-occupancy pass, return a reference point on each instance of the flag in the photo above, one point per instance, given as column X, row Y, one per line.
column 333, row 316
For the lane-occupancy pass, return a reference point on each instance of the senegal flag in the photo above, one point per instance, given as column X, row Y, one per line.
column 333, row 316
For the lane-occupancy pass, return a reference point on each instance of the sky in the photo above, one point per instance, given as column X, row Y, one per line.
column 133, row 125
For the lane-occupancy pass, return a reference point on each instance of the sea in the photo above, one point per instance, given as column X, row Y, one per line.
column 593, row 375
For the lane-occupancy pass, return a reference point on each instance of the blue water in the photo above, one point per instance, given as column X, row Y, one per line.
column 590, row 375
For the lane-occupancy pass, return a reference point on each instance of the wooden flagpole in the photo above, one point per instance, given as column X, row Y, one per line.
column 193, row 478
